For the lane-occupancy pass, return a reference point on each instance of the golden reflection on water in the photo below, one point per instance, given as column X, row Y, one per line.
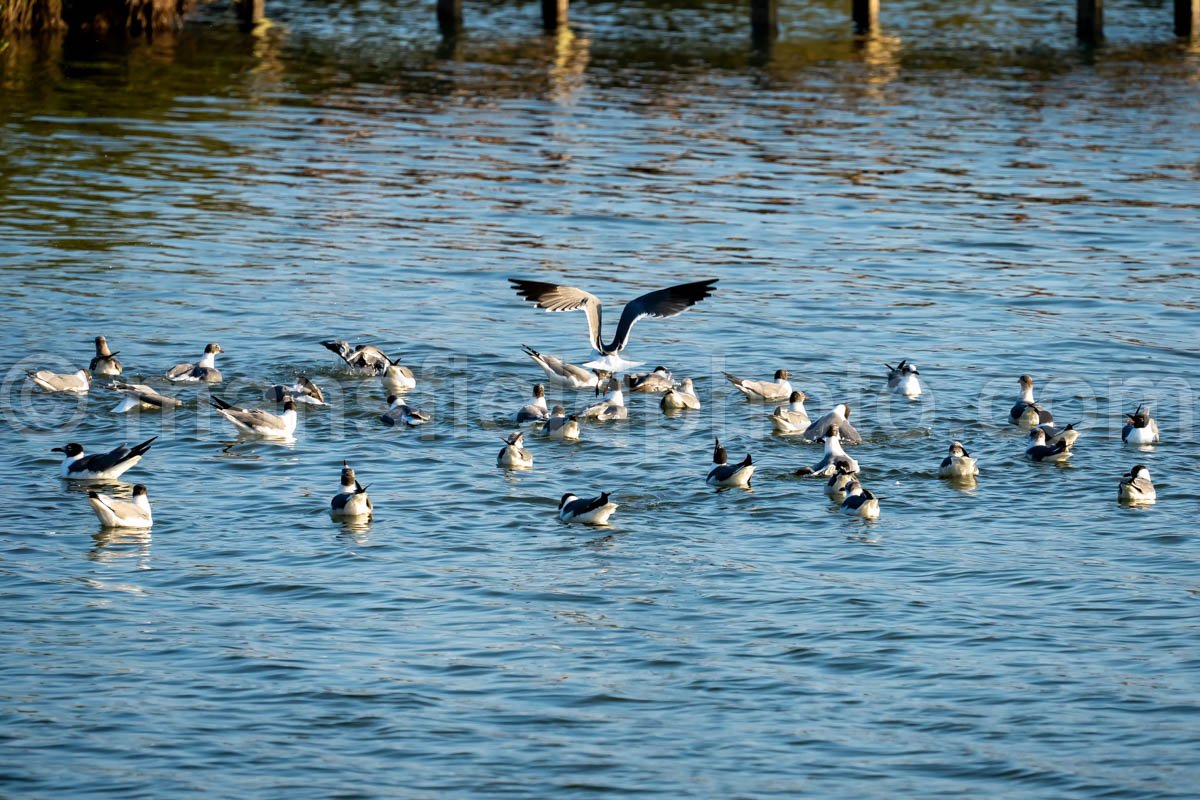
column 566, row 73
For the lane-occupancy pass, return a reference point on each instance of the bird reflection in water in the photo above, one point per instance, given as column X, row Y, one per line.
column 114, row 545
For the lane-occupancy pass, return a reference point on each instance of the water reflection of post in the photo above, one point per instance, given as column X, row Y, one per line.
column 571, row 56
column 881, row 56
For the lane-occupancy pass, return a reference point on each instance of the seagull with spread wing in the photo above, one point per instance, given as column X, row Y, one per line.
column 663, row 303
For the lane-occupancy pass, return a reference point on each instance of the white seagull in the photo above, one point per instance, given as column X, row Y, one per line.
column 564, row 374
column 655, row 382
column 141, row 397
column 75, row 382
column 838, row 418
column 792, row 418
column 768, row 391
column 352, row 499
column 589, row 511
column 397, row 378
column 560, row 426
column 536, row 410
column 203, row 371
column 902, row 379
column 103, row 466
column 958, row 465
column 610, row 408
column 1136, row 488
column 399, row 411
column 302, row 391
column 514, row 456
column 365, row 358
column 1027, row 413
column 115, row 513
column 105, row 362
column 680, row 398
column 257, row 422
column 1140, row 428
column 663, row 304
column 835, row 457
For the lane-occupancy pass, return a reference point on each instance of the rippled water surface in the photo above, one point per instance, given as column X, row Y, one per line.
column 967, row 190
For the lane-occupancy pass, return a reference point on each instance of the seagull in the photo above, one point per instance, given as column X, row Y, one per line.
column 589, row 511
column 352, row 500
column 535, row 411
column 958, row 465
column 365, row 358
column 141, row 397
column 1027, row 413
column 860, row 502
column 902, row 379
column 257, row 422
column 399, row 411
column 203, row 371
column 835, row 457
column 1136, row 488
column 1055, row 435
column 560, row 426
column 76, row 382
column 397, row 378
column 1038, row 450
column 1140, row 428
column 105, row 363
column 114, row 513
column 655, row 382
column 663, row 304
column 792, row 418
column 514, row 456
column 103, row 466
column 610, row 408
column 835, row 488
column 680, row 398
column 302, row 391
column 725, row 475
column 564, row 374
column 839, row 417
column 763, row 390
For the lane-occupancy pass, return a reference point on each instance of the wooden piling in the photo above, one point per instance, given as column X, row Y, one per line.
column 865, row 14
column 250, row 13
column 1089, row 20
column 1187, row 18
column 554, row 14
column 764, row 20
column 450, row 16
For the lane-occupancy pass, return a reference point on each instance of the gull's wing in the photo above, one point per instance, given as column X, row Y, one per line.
column 254, row 418
column 662, row 304
column 553, row 297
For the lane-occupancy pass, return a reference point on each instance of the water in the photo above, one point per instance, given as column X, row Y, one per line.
column 970, row 193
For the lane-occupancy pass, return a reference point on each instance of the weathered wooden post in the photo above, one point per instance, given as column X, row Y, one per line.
column 250, row 13
column 866, row 15
column 1089, row 20
column 1187, row 18
column 764, row 20
column 554, row 13
column 450, row 19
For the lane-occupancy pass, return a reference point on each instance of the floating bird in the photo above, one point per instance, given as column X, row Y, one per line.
column 611, row 407
column 535, row 411
column 75, row 382
column 655, row 382
column 564, row 374
column 141, row 397
column 725, row 475
column 365, row 358
column 1026, row 412
column 257, row 422
column 1136, row 488
column 839, row 417
column 302, row 391
column 680, row 398
column 958, row 465
column 835, row 457
column 590, row 511
column 514, row 456
column 399, row 411
column 103, row 466
column 768, row 391
column 105, row 362
column 835, row 487
column 860, row 502
column 792, row 418
column 1038, row 450
column 115, row 513
column 560, row 426
column 203, row 371
column 1140, row 428
column 1054, row 435
column 662, row 304
column 397, row 378
column 902, row 379
column 352, row 500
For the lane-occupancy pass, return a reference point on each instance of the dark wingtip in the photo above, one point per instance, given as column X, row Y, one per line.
column 94, row 495
column 747, row 461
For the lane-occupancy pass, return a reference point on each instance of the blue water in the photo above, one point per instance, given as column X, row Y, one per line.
column 974, row 194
